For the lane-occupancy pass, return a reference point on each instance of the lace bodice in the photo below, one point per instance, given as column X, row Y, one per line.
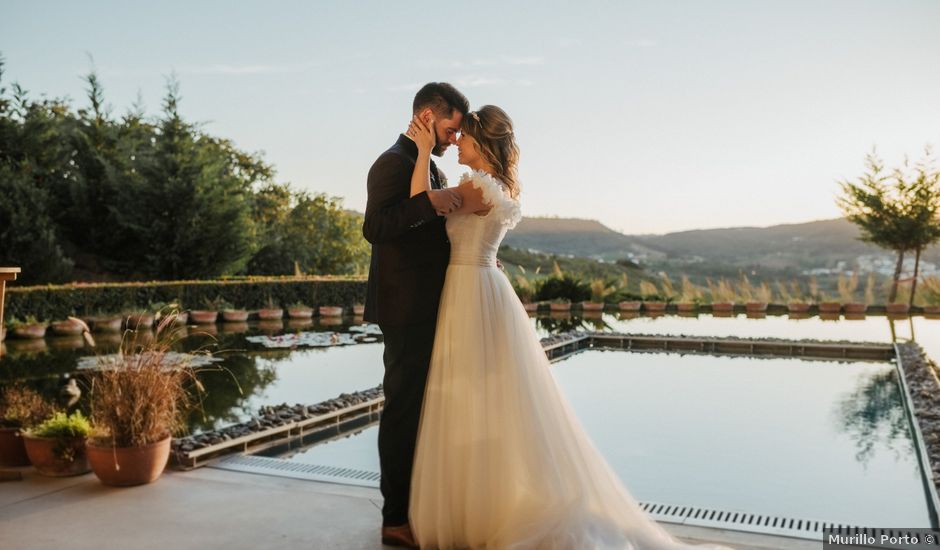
column 475, row 239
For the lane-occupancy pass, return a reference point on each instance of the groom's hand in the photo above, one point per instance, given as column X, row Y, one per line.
column 445, row 201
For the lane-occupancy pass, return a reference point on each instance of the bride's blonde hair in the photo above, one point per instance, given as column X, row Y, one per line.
column 491, row 128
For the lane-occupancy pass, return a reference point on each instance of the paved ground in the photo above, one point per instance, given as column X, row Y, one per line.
column 209, row 508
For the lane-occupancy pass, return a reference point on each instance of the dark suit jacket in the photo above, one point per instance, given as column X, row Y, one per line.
column 410, row 249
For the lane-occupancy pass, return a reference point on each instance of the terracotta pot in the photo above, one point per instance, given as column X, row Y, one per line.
column 897, row 308
column 234, row 328
column 932, row 310
column 755, row 306
column 138, row 465
column 592, row 306
column 654, row 306
column 331, row 311
column 723, row 307
column 234, row 315
column 182, row 318
column 46, row 454
column 269, row 325
column 531, row 306
column 139, row 320
column 359, row 309
column 12, row 448
column 629, row 306
column 855, row 307
column 204, row 317
column 798, row 307
column 65, row 328
column 300, row 312
column 270, row 313
column 755, row 314
column 560, row 306
column 30, row 332
column 299, row 323
column 830, row 307
column 105, row 324
column 686, row 306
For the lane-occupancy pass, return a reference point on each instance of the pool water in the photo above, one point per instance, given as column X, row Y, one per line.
column 801, row 439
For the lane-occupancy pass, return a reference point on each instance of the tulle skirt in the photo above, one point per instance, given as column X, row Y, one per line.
column 502, row 462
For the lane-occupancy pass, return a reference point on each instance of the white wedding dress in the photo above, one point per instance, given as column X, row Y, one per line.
column 502, row 462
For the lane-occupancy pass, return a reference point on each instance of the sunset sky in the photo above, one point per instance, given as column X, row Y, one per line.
column 648, row 116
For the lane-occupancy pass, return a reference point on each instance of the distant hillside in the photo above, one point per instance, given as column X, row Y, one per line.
column 586, row 238
column 780, row 247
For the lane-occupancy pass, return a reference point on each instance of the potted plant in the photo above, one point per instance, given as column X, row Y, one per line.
column 29, row 328
column 210, row 314
column 359, row 309
column 138, row 400
column 56, row 447
column 651, row 297
column 104, row 322
column 270, row 311
column 21, row 408
column 690, row 296
column 560, row 304
column 331, row 311
column 930, row 295
column 793, row 297
column 232, row 314
column 847, row 287
column 135, row 318
column 757, row 297
column 68, row 327
column 600, row 290
column 299, row 310
column 722, row 295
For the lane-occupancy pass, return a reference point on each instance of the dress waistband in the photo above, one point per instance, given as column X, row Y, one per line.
column 484, row 260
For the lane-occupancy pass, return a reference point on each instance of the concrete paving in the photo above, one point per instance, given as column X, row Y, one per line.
column 209, row 508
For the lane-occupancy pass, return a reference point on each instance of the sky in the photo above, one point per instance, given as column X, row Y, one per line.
column 650, row 117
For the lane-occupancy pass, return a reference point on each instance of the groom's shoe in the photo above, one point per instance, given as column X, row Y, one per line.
column 398, row 535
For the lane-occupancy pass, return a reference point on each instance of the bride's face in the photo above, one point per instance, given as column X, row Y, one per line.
column 468, row 150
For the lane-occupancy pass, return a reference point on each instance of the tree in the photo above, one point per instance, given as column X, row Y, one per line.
column 897, row 212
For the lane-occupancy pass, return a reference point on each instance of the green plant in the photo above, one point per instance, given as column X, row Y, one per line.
column 298, row 305
column 601, row 290
column 783, row 292
column 563, row 287
column 870, row 289
column 29, row 320
column 721, row 292
column 690, row 293
column 524, row 288
column 668, row 289
column 847, row 287
column 929, row 291
column 63, row 425
column 22, row 407
column 649, row 291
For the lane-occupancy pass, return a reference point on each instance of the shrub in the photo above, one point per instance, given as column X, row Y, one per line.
column 63, row 425
column 22, row 407
column 562, row 287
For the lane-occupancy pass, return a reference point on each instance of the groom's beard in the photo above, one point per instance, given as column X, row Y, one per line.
column 438, row 150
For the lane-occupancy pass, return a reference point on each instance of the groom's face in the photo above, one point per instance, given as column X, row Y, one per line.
column 446, row 129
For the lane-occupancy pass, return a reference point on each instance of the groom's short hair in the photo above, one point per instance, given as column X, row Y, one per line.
column 442, row 98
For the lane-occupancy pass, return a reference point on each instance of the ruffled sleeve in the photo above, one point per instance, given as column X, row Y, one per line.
column 506, row 209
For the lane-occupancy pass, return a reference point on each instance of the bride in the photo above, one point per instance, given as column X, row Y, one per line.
column 502, row 462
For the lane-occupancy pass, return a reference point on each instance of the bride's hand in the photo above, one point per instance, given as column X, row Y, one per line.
column 422, row 134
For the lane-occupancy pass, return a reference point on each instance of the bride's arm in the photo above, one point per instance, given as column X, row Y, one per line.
column 472, row 199
column 421, row 177
column 444, row 201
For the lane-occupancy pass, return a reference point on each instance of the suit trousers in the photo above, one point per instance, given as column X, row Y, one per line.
column 407, row 358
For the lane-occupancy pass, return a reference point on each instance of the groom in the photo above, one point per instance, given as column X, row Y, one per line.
column 410, row 252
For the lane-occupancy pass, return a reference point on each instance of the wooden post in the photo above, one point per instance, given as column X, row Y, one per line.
column 6, row 274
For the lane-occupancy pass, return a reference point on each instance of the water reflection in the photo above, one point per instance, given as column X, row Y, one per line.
column 873, row 415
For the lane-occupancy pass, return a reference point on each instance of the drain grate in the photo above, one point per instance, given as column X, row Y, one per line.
column 297, row 470
column 670, row 513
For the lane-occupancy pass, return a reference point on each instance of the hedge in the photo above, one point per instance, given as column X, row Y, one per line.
column 51, row 302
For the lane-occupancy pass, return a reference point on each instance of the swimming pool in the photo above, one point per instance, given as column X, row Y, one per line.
column 785, row 437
